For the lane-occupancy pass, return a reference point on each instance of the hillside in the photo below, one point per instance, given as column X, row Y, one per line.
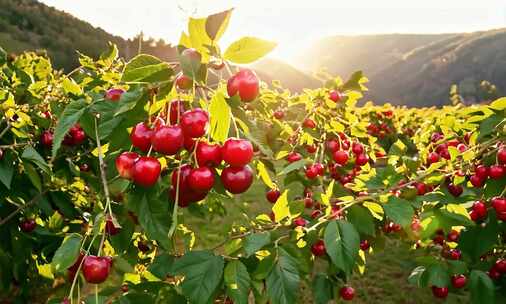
column 416, row 70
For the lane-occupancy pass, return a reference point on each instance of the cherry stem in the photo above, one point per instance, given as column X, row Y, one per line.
column 71, row 292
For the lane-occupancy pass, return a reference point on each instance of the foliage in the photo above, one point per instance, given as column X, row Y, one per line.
column 65, row 199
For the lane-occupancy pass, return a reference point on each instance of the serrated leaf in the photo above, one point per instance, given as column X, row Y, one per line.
column 146, row 68
column 248, row 50
column 476, row 241
column 256, row 241
column 293, row 166
column 283, row 280
column 66, row 255
column 203, row 272
column 435, row 275
column 154, row 218
column 220, row 115
column 398, row 210
column 237, row 281
column 70, row 116
column 7, row 169
column 30, row 154
column 322, row 289
column 362, row 219
column 281, row 209
column 482, row 288
column 342, row 243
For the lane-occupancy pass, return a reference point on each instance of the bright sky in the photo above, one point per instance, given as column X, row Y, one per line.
column 291, row 23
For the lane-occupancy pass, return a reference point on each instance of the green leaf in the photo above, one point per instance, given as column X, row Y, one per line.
column 255, row 242
column 33, row 175
column 237, row 281
column 293, row 166
column 435, row 275
column 69, row 117
column 362, row 219
column 32, row 155
column 220, row 115
column 161, row 265
column 342, row 243
column 416, row 275
column 154, row 218
column 482, row 288
column 398, row 210
column 128, row 101
column 7, row 169
column 283, row 281
column 217, row 24
column 322, row 289
column 477, row 240
column 203, row 272
column 248, row 50
column 66, row 255
column 70, row 86
column 489, row 125
column 146, row 68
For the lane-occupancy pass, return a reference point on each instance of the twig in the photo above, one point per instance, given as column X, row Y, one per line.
column 33, row 201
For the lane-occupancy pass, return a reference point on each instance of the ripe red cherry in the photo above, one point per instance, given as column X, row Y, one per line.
column 201, row 179
column 459, row 281
column 340, row 157
column 496, row 172
column 454, row 254
column 421, row 188
column 433, row 157
column 46, row 139
column 237, row 152
column 84, row 168
column 499, row 204
column 312, row 172
column 318, row 248
column 109, row 226
column 208, row 154
column 453, row 236
column 168, row 140
column 311, row 149
column 146, row 171
column 477, row 181
column 361, row 160
column 309, row 123
column 184, row 82
column 125, row 164
column 237, row 179
column 141, row 137
column 357, row 148
column 114, row 94
column 27, row 225
column 71, row 271
column 481, row 171
column 279, row 114
column 273, row 195
column 494, row 273
column 333, row 145
column 479, row 211
column 335, row 96
column 364, row 245
column 500, row 265
column 347, row 293
column 189, row 143
column 299, row 222
column 245, row 83
column 195, row 122
column 455, row 190
column 461, row 147
column 501, row 156
column 184, row 185
column 436, row 137
column 440, row 292
column 293, row 157
column 176, row 110
column 75, row 136
column 96, row 269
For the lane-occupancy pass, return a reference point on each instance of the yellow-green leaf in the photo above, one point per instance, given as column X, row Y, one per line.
column 264, row 175
column 248, row 50
column 280, row 208
column 69, row 86
column 219, row 112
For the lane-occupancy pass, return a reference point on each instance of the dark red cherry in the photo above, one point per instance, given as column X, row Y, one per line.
column 497, row 172
column 459, row 281
column 237, row 152
column 333, row 145
column 357, row 148
column 125, row 164
column 184, row 185
column 96, row 269
column 477, row 181
column 46, row 139
column 237, row 179
column 335, row 96
column 208, row 154
column 194, row 123
column 440, row 292
column 433, row 158
column 293, row 157
column 279, row 114
column 201, row 179
column 114, row 94
column 110, row 228
column 340, row 157
column 184, row 82
column 455, row 190
column 140, row 136
column 27, row 225
column 347, row 293
column 361, row 159
column 318, row 248
column 245, row 83
column 146, row 171
column 481, row 171
column 309, row 123
column 168, row 140
column 176, row 111
column 312, row 172
column 273, row 195
column 501, row 156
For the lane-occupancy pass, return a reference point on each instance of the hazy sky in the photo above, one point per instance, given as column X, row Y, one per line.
column 292, row 23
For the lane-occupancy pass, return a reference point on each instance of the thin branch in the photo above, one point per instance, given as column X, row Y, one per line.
column 32, row 202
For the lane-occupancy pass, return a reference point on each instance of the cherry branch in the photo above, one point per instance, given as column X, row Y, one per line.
column 32, row 202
